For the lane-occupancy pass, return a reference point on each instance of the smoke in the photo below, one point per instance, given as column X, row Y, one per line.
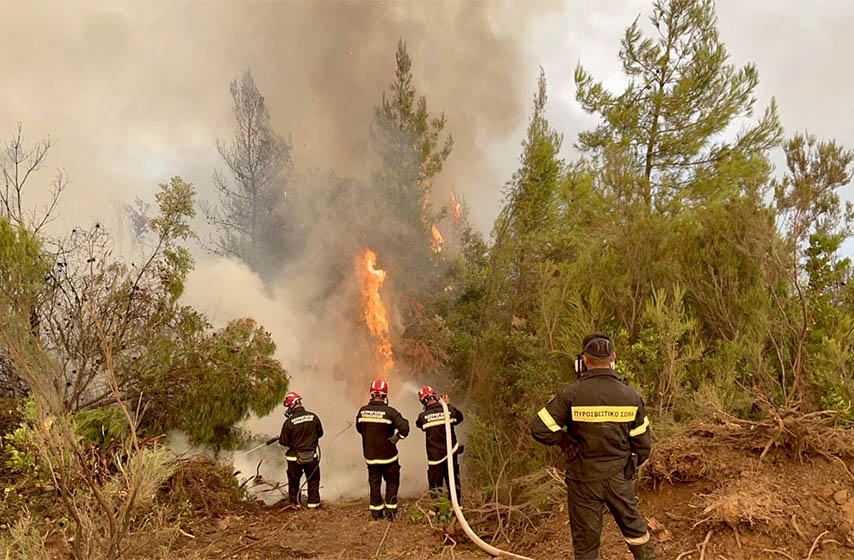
column 326, row 357
column 139, row 91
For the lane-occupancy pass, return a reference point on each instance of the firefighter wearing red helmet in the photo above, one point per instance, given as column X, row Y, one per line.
column 300, row 434
column 381, row 427
column 432, row 422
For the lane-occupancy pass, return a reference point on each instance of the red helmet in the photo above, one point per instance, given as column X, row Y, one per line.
column 292, row 400
column 379, row 387
column 426, row 392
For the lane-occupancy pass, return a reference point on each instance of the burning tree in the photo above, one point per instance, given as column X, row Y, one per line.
column 408, row 142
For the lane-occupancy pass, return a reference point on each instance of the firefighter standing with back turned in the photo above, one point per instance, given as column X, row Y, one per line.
column 432, row 421
column 300, row 434
column 606, row 436
column 381, row 427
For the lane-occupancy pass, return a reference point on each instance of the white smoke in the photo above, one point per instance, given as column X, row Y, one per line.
column 315, row 348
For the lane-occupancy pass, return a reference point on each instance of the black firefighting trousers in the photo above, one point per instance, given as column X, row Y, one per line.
column 585, row 516
column 437, row 477
column 391, row 474
column 312, row 474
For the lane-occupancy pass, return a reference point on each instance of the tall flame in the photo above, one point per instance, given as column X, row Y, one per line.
column 438, row 242
column 374, row 312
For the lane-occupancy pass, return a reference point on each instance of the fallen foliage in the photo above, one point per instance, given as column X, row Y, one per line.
column 202, row 485
column 696, row 453
column 753, row 500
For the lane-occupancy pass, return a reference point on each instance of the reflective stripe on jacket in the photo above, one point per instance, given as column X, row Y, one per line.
column 377, row 422
column 602, row 418
column 432, row 421
column 300, row 432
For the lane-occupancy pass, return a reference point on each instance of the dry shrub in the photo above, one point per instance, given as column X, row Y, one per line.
column 202, row 485
column 708, row 450
column 753, row 500
column 22, row 541
column 681, row 458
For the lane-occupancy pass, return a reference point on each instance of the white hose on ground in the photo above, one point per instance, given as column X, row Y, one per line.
column 452, row 488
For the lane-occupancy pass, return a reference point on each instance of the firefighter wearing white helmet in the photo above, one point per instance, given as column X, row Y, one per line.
column 381, row 427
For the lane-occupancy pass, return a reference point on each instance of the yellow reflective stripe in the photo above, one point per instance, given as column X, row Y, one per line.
column 391, row 506
column 377, row 508
column 375, row 420
column 604, row 413
column 548, row 420
column 442, row 460
column 289, row 458
column 643, row 539
column 640, row 429
column 312, row 506
column 436, row 423
column 381, row 461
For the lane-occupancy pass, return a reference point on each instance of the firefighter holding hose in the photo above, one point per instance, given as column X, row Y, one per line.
column 600, row 424
column 432, row 422
column 381, row 427
column 300, row 434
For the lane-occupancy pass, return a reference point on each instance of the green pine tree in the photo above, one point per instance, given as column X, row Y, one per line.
column 677, row 113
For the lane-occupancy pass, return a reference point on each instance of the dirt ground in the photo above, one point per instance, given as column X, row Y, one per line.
column 744, row 510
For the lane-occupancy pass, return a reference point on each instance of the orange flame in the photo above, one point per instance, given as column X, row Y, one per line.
column 374, row 313
column 438, row 242
column 456, row 210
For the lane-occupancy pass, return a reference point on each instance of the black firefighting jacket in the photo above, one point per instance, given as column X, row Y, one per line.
column 432, row 421
column 377, row 422
column 605, row 422
column 300, row 432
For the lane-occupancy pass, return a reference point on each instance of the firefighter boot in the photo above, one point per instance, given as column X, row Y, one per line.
column 643, row 551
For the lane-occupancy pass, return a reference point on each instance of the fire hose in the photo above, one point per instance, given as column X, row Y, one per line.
column 488, row 548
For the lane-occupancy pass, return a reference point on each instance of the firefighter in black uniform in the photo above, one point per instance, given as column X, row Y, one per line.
column 381, row 427
column 300, row 434
column 601, row 426
column 432, row 421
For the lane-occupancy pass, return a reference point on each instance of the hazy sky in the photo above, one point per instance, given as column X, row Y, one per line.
column 136, row 93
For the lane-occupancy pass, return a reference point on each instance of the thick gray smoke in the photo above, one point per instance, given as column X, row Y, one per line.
column 150, row 82
column 139, row 91
column 321, row 349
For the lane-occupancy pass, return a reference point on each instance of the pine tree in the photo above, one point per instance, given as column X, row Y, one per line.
column 407, row 140
column 524, row 230
column 527, row 220
column 675, row 116
column 259, row 162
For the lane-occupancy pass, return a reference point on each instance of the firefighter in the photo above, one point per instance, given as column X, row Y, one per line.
column 601, row 426
column 381, row 427
column 300, row 434
column 432, row 421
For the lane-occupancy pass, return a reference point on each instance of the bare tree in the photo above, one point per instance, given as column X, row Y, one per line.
column 259, row 164
column 17, row 163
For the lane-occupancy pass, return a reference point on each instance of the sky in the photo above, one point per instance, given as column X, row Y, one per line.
column 133, row 94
